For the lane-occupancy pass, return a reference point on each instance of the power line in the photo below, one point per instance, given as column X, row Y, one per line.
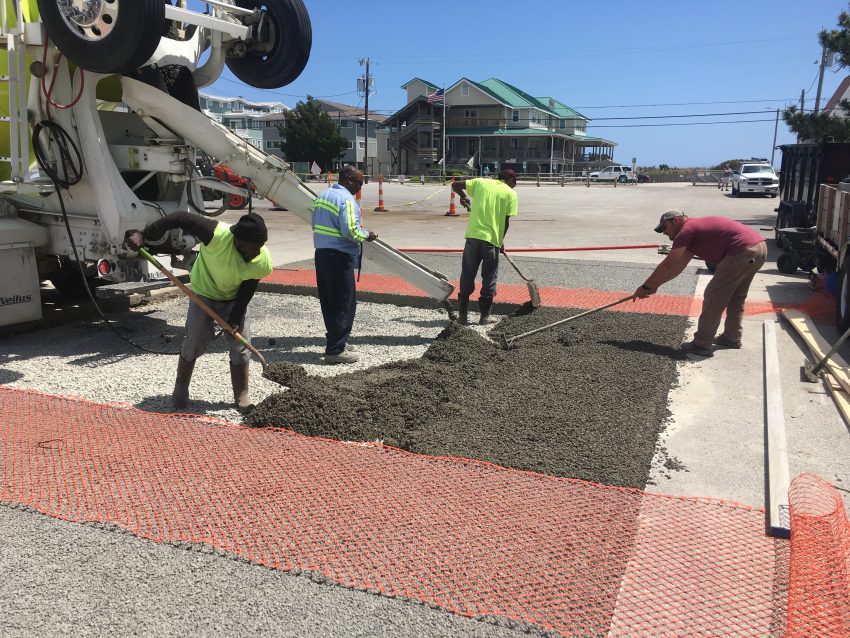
column 629, row 106
column 287, row 94
column 678, row 124
column 662, row 117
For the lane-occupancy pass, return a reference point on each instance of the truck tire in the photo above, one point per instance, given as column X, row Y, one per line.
column 842, row 305
column 120, row 38
column 787, row 263
column 281, row 58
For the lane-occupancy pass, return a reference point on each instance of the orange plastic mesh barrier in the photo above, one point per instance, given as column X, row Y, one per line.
column 819, row 303
column 819, row 593
column 469, row 537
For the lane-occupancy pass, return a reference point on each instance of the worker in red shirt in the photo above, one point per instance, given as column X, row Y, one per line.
column 737, row 250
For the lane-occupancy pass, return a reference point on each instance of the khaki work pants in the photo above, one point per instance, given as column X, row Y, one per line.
column 728, row 291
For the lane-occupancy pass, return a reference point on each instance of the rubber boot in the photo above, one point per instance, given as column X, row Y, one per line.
column 239, row 378
column 485, row 304
column 180, row 396
column 463, row 309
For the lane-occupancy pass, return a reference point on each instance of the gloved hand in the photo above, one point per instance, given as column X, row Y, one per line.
column 134, row 239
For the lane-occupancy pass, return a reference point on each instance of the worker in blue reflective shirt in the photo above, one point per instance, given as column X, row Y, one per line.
column 338, row 239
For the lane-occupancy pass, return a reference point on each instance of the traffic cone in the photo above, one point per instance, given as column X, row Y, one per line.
column 452, row 208
column 380, row 208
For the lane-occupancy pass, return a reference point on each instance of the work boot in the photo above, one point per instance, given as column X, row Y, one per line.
column 239, row 379
column 180, row 396
column 341, row 357
column 485, row 304
column 463, row 309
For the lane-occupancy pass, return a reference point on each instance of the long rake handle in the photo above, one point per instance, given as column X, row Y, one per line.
column 518, row 271
column 822, row 363
column 212, row 314
column 568, row 319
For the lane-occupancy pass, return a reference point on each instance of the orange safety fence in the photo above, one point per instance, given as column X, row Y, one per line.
column 470, row 537
column 819, row 305
column 819, row 598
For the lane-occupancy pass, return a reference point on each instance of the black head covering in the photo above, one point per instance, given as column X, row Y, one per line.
column 252, row 228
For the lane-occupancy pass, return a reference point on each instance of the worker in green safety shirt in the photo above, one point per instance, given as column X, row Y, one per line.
column 493, row 203
column 231, row 261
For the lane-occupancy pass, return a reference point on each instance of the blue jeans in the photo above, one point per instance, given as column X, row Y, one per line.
column 337, row 295
column 477, row 253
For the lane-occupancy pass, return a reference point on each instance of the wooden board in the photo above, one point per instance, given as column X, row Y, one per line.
column 778, row 476
column 818, row 346
column 836, row 372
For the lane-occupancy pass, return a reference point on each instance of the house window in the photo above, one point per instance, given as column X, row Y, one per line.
column 470, row 113
column 464, row 89
column 515, row 116
column 361, row 145
column 350, row 144
column 563, row 124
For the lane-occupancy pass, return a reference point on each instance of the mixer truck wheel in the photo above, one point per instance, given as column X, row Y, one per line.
column 105, row 36
column 281, row 49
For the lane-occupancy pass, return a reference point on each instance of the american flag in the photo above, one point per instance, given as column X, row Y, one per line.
column 436, row 97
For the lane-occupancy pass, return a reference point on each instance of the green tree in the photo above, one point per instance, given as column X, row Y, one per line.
column 311, row 135
column 815, row 127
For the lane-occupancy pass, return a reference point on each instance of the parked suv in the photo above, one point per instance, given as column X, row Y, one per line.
column 755, row 177
column 620, row 174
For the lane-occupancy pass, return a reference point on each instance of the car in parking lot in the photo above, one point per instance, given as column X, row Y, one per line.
column 620, row 174
column 755, row 177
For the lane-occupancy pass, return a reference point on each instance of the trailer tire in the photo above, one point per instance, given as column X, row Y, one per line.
column 236, row 202
column 787, row 263
column 842, row 306
column 135, row 29
column 283, row 59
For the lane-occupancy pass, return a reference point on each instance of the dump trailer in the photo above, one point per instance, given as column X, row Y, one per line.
column 832, row 244
column 804, row 168
column 103, row 132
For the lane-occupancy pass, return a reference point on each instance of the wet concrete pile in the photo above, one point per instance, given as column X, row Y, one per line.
column 584, row 400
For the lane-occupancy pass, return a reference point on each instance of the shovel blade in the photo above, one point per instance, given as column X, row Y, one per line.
column 534, row 293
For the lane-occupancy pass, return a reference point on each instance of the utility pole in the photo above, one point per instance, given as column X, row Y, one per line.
column 367, row 85
column 775, row 131
column 820, row 80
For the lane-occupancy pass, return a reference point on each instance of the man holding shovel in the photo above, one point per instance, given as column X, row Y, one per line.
column 231, row 261
column 493, row 203
column 737, row 250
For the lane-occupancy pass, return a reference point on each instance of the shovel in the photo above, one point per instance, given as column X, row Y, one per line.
column 212, row 314
column 532, row 285
column 812, row 373
column 507, row 341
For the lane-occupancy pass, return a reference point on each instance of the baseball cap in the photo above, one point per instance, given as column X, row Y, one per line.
column 670, row 214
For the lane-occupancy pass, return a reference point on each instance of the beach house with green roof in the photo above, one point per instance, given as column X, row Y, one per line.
column 490, row 125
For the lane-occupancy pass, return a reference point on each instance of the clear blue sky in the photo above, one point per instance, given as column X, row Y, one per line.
column 609, row 59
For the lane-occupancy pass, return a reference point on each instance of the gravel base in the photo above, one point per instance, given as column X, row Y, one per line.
column 88, row 360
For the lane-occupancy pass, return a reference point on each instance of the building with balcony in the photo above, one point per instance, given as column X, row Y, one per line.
column 487, row 126
column 259, row 123
column 351, row 121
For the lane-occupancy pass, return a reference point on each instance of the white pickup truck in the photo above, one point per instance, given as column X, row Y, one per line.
column 756, row 177
column 620, row 174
